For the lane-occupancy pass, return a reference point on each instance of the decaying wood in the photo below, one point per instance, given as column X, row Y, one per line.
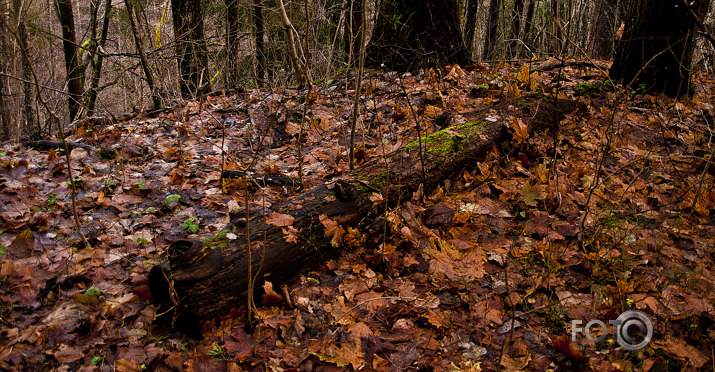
column 262, row 180
column 199, row 282
column 47, row 145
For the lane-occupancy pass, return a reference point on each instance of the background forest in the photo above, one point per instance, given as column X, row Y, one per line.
column 123, row 54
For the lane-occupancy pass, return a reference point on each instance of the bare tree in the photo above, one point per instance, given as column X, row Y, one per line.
column 258, row 44
column 32, row 120
column 96, row 50
column 517, row 14
column 188, row 19
column 73, row 67
column 156, row 100
column 490, row 40
column 232, row 56
column 604, row 28
column 470, row 26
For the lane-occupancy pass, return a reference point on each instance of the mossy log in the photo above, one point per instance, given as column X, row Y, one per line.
column 202, row 280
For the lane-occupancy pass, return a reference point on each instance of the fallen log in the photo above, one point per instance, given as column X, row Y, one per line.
column 201, row 280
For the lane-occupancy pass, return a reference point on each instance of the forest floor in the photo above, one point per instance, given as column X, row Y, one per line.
column 613, row 212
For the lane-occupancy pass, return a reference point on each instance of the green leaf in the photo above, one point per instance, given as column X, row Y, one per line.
column 51, row 199
column 2, row 249
column 92, row 292
column 95, row 360
column 173, row 198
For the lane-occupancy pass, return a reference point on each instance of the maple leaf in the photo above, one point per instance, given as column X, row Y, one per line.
column 332, row 230
column 521, row 130
column 530, row 194
column 279, row 219
column 291, row 234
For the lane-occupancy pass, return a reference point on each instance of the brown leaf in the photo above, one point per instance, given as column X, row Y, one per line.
column 279, row 219
column 332, row 230
column 23, row 245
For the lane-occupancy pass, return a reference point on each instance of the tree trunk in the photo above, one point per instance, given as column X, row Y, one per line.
column 197, row 283
column 490, row 40
column 299, row 72
column 528, row 26
column 411, row 34
column 139, row 44
column 188, row 19
column 655, row 52
column 98, row 58
column 515, row 29
column 6, row 125
column 75, row 71
column 604, row 29
column 232, row 57
column 32, row 119
column 556, row 33
column 352, row 30
column 258, row 36
column 470, row 26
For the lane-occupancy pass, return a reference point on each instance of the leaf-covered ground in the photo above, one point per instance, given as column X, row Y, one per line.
column 612, row 212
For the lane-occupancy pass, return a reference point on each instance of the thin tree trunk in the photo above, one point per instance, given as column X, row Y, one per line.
column 156, row 100
column 75, row 71
column 188, row 19
column 5, row 121
column 470, row 26
column 98, row 57
column 514, row 32
column 32, row 120
column 529, row 26
column 353, row 29
column 604, row 29
column 232, row 58
column 258, row 36
column 298, row 68
column 490, row 40
column 556, row 34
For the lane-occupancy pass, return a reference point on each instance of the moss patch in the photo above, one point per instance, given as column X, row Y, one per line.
column 447, row 141
column 217, row 241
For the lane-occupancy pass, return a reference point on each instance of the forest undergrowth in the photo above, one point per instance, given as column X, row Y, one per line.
column 611, row 212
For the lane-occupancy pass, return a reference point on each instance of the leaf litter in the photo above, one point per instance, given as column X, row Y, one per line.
column 492, row 266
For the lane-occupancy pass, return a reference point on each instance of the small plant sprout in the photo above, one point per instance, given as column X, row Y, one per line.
column 96, row 360
column 191, row 224
column 51, row 199
column 92, row 292
column 141, row 241
column 218, row 352
column 173, row 198
column 151, row 210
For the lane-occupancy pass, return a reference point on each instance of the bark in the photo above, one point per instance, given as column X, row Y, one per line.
column 411, row 34
column 188, row 20
column 299, row 71
column 97, row 55
column 352, row 30
column 490, row 40
column 232, row 49
column 139, row 44
column 604, row 29
column 529, row 25
column 655, row 52
column 73, row 68
column 258, row 44
column 470, row 26
column 556, row 33
column 201, row 281
column 517, row 14
column 6, row 126
column 32, row 119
